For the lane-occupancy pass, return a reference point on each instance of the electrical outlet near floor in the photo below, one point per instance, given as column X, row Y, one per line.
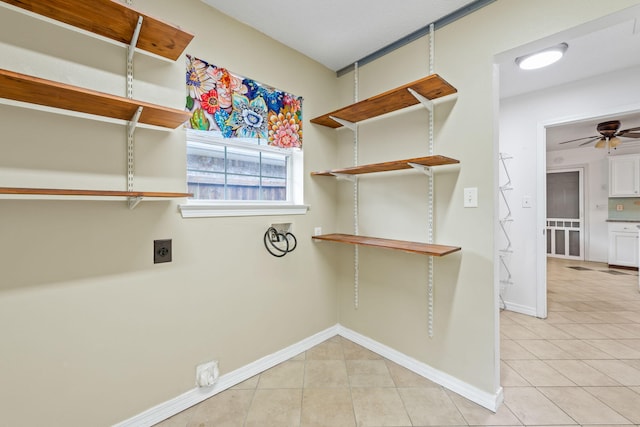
column 161, row 251
column 207, row 373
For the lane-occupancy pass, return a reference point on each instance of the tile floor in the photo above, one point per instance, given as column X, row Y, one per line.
column 580, row 366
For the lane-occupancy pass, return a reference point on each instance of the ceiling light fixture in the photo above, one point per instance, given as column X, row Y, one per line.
column 542, row 58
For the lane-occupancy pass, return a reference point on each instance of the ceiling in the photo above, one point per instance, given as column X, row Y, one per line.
column 597, row 48
column 337, row 33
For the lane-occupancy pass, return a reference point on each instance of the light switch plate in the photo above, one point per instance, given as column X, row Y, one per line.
column 471, row 197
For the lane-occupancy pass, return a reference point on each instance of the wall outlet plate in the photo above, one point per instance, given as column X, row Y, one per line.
column 161, row 251
column 283, row 227
column 471, row 197
column 207, row 374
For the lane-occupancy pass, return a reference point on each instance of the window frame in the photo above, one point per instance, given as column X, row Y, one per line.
column 218, row 208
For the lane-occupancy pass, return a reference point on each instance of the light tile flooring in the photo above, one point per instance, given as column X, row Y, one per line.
column 580, row 366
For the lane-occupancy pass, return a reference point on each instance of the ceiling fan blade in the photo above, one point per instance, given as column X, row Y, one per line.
column 578, row 139
column 589, row 142
column 622, row 132
column 630, row 135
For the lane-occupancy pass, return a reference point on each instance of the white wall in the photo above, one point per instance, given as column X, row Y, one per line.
column 392, row 286
column 86, row 318
column 521, row 120
column 92, row 332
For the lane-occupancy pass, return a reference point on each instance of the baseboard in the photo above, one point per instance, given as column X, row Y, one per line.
column 490, row 401
column 196, row 395
column 622, row 267
column 519, row 308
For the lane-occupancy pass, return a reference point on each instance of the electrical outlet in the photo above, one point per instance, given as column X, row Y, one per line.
column 207, row 374
column 317, row 231
column 161, row 251
column 281, row 229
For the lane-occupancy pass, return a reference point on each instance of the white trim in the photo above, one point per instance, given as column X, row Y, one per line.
column 481, row 397
column 497, row 286
column 195, row 209
column 541, row 223
column 196, row 395
column 519, row 308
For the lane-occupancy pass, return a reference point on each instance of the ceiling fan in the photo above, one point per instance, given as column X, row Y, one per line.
column 609, row 135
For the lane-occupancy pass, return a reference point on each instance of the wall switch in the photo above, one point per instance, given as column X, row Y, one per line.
column 471, row 197
column 619, row 207
column 161, row 251
column 526, row 202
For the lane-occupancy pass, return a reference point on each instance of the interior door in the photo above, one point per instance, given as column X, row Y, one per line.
column 565, row 214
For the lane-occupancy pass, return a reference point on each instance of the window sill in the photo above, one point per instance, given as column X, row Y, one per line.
column 196, row 209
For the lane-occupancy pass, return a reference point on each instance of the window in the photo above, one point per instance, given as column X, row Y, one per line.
column 231, row 177
column 244, row 145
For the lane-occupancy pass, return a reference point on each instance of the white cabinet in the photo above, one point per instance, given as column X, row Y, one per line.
column 624, row 176
column 623, row 244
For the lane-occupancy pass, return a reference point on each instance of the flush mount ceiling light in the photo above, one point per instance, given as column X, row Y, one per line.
column 542, row 58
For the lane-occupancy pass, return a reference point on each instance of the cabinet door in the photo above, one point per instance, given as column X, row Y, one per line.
column 624, row 176
column 623, row 249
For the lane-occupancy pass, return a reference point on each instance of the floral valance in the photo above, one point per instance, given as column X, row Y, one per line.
column 239, row 107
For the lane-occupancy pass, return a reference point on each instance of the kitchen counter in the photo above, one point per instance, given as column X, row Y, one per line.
column 624, row 220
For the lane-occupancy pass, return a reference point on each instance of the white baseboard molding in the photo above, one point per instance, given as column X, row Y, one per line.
column 488, row 400
column 196, row 395
column 519, row 308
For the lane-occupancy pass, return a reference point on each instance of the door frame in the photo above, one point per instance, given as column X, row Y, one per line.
column 541, row 192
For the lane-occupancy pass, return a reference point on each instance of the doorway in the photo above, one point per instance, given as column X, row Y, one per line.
column 565, row 223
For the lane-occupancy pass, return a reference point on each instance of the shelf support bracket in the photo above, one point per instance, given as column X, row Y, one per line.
column 426, row 102
column 134, row 39
column 422, row 168
column 349, row 125
column 133, row 201
column 344, row 176
column 131, row 125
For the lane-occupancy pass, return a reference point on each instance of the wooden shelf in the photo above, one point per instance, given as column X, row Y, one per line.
column 390, row 166
column 114, row 20
column 401, row 245
column 101, row 193
column 431, row 87
column 21, row 87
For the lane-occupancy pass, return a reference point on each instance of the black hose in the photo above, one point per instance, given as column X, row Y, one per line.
column 272, row 236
